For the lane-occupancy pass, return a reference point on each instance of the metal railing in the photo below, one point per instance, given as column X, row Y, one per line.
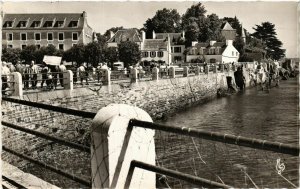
column 220, row 137
column 48, row 137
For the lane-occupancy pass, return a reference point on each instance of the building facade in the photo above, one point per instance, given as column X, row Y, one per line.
column 61, row 30
column 213, row 52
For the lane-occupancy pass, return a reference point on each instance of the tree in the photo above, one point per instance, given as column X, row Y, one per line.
column 11, row 55
column 77, row 53
column 213, row 30
column 111, row 55
column 28, row 53
column 129, row 53
column 50, row 50
column 93, row 53
column 164, row 21
column 266, row 32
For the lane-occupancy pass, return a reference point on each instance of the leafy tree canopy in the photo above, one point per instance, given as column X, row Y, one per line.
column 267, row 33
column 129, row 53
column 164, row 21
column 11, row 55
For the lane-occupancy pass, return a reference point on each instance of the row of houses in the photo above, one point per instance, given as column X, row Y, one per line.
column 66, row 30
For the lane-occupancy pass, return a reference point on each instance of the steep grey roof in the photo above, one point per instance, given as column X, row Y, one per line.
column 67, row 18
column 155, row 44
column 227, row 26
column 125, row 35
column 207, row 46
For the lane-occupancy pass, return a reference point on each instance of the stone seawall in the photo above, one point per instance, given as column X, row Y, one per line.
column 158, row 98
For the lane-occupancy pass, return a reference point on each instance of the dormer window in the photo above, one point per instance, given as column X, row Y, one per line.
column 8, row 24
column 59, row 24
column 73, row 24
column 22, row 24
column 36, row 24
column 48, row 24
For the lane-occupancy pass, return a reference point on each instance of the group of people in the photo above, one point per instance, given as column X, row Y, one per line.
column 50, row 75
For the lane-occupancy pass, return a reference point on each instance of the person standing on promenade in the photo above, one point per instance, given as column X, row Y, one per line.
column 4, row 77
column 44, row 72
column 61, row 69
column 82, row 74
column 34, row 72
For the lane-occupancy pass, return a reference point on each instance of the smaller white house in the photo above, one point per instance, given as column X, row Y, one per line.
column 213, row 52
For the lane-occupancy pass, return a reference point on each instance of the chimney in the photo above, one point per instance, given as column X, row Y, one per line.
column 84, row 15
column 229, row 42
column 111, row 34
column 211, row 43
column 153, row 35
column 143, row 35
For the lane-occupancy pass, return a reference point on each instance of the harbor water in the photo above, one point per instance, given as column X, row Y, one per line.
column 268, row 115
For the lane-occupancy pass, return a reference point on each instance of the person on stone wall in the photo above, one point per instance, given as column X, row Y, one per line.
column 45, row 71
column 82, row 74
column 27, row 76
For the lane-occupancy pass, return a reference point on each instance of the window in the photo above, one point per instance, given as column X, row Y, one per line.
column 23, row 36
column 73, row 24
column 177, row 49
column 9, row 46
column 61, row 46
column 232, row 53
column 38, row 46
column 9, row 37
column 8, row 24
column 37, row 36
column 74, row 44
column 200, row 51
column 60, row 36
column 236, row 53
column 212, row 51
column 160, row 54
column 50, row 36
column 59, row 24
column 145, row 54
column 22, row 24
column 152, row 54
column 36, row 24
column 75, row 36
column 48, row 24
column 23, row 46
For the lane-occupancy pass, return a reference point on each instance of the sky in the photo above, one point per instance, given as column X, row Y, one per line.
column 103, row 15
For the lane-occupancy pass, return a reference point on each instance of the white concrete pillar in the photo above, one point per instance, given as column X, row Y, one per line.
column 155, row 72
column 185, row 71
column 134, row 75
column 197, row 72
column 68, row 79
column 106, row 76
column 17, row 85
column 114, row 145
column 172, row 72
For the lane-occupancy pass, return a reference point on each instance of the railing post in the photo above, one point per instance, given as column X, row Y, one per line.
column 134, row 74
column 114, row 145
column 185, row 71
column 215, row 68
column 18, row 88
column 68, row 79
column 155, row 72
column 106, row 76
column 206, row 69
column 197, row 72
column 172, row 72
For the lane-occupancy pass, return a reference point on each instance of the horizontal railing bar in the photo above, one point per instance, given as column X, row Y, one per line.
column 10, row 181
column 48, row 137
column 44, row 165
column 171, row 173
column 52, row 108
column 220, row 137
